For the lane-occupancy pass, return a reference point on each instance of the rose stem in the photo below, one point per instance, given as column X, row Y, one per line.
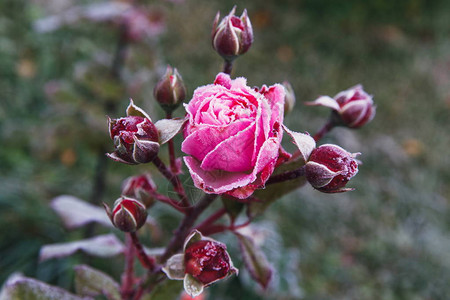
column 324, row 130
column 185, row 226
column 169, row 201
column 146, row 261
column 227, row 66
column 178, row 187
column 173, row 165
column 209, row 221
column 126, row 290
column 290, row 175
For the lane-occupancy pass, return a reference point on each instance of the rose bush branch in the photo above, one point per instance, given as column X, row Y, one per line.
column 126, row 289
column 173, row 179
column 186, row 226
column 147, row 262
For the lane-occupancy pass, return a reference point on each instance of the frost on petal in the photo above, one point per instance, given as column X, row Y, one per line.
column 223, row 80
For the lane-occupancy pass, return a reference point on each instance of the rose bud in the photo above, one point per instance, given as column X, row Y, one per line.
column 128, row 214
column 170, row 90
column 352, row 108
column 135, row 137
column 140, row 188
column 330, row 167
column 233, row 36
column 289, row 99
column 207, row 261
column 203, row 262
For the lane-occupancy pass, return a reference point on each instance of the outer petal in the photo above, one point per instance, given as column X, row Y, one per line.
column 217, row 182
column 223, row 79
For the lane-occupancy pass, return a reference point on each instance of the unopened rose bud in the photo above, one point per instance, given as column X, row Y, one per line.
column 170, row 90
column 289, row 99
column 352, row 108
column 330, row 167
column 207, row 261
column 233, row 36
column 140, row 188
column 202, row 262
column 128, row 214
column 135, row 137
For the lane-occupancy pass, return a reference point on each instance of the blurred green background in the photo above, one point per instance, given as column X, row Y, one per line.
column 389, row 239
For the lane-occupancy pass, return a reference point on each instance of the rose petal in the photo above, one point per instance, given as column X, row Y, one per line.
column 233, row 154
column 205, row 139
column 223, row 80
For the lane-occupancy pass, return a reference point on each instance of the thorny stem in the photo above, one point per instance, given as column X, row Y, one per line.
column 174, row 180
column 126, row 290
column 147, row 261
column 186, row 226
column 290, row 175
column 227, row 66
column 210, row 220
column 324, row 130
column 173, row 166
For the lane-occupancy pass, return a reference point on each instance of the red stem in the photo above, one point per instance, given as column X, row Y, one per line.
column 174, row 180
column 186, row 226
column 147, row 261
column 290, row 175
column 324, row 130
column 126, row 290
column 210, row 220
column 227, row 66
column 170, row 201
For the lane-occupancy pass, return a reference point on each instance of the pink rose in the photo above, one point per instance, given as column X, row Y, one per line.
column 233, row 136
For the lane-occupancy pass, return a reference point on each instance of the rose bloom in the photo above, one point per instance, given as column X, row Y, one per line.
column 233, row 136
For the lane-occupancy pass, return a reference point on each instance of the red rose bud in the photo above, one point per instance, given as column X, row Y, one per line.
column 140, row 188
column 352, row 108
column 207, row 261
column 128, row 214
column 289, row 99
column 170, row 90
column 135, row 139
column 330, row 167
column 233, row 36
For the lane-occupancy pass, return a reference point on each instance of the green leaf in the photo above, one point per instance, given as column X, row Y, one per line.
column 255, row 260
column 18, row 287
column 169, row 289
column 192, row 286
column 92, row 282
column 168, row 128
